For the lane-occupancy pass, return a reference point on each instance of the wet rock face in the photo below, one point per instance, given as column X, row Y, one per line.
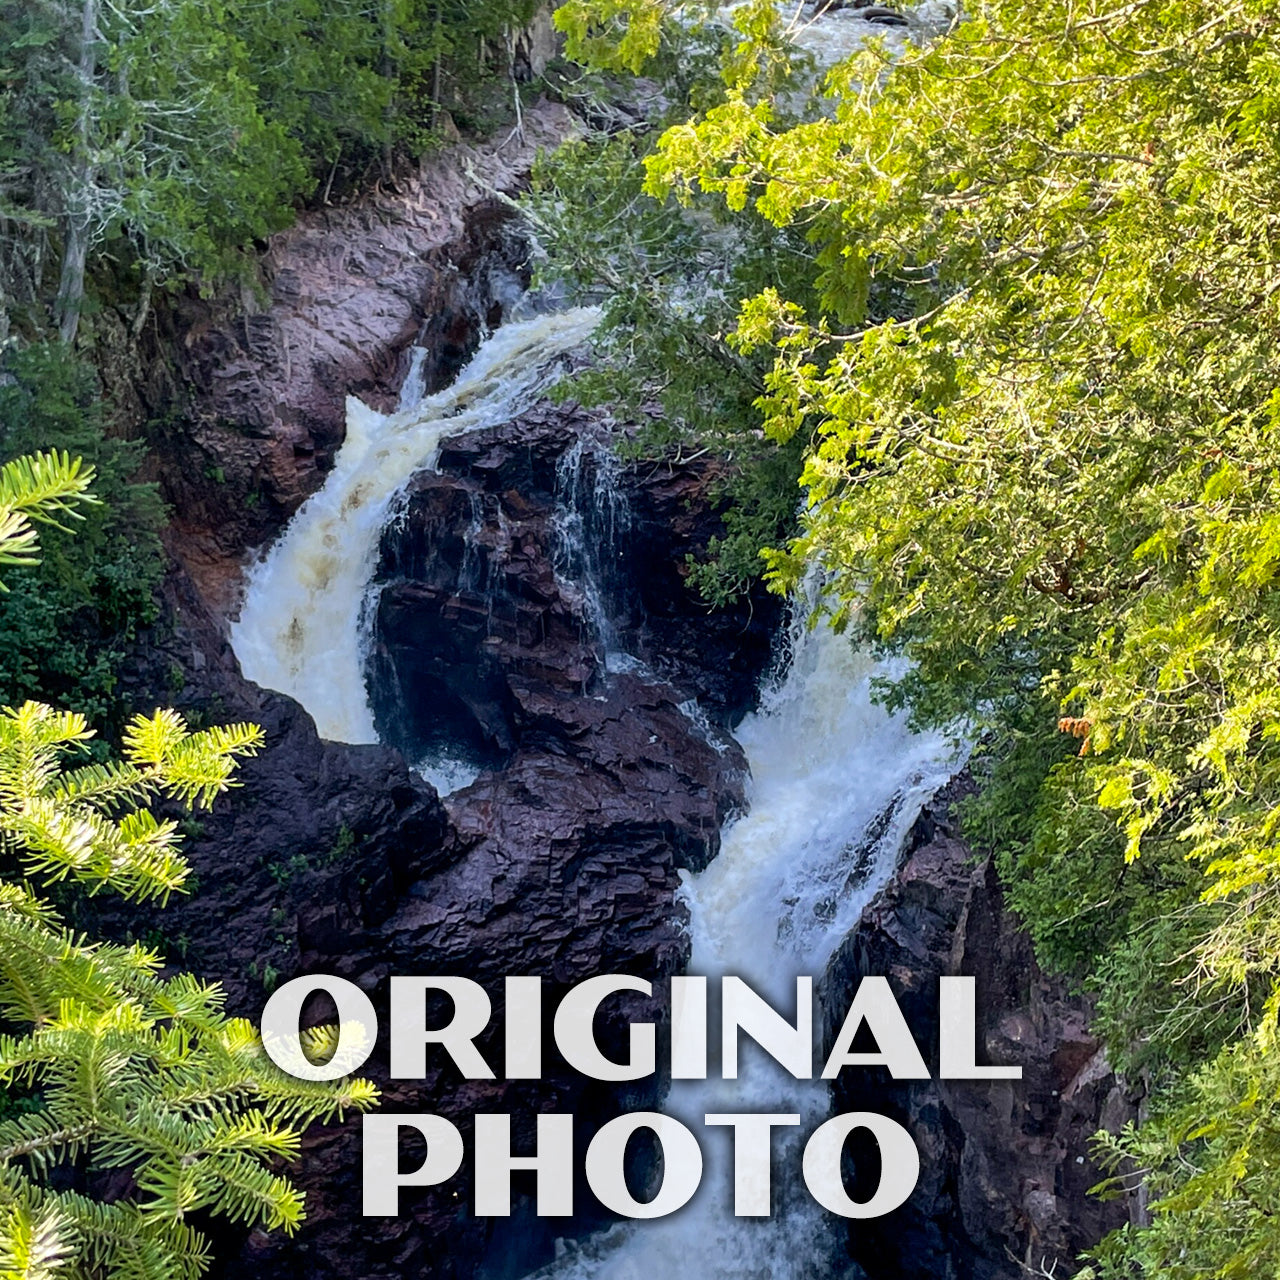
column 312, row 820
column 528, row 560
column 1004, row 1165
column 344, row 294
column 562, row 860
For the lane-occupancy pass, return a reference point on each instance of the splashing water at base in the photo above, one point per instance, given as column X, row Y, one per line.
column 836, row 784
column 447, row 773
column 301, row 629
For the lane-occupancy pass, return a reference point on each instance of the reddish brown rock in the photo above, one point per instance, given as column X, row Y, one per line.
column 481, row 601
column 344, row 293
column 561, row 860
column 1005, row 1167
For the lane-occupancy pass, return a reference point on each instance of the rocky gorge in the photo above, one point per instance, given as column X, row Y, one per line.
column 1006, row 1168
column 595, row 698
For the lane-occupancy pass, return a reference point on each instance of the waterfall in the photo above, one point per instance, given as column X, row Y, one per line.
column 303, row 626
column 414, row 387
column 592, row 515
column 836, row 783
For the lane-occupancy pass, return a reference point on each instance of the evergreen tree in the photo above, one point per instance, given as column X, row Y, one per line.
column 109, row 1065
column 67, row 624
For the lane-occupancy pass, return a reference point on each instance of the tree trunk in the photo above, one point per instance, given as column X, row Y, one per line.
column 435, row 74
column 77, row 219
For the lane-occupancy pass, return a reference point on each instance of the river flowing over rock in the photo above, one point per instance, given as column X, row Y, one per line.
column 348, row 291
column 538, row 747
column 560, row 860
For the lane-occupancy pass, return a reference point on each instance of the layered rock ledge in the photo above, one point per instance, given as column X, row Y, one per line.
column 343, row 294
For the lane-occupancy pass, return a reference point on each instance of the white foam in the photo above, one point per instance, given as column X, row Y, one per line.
column 303, row 628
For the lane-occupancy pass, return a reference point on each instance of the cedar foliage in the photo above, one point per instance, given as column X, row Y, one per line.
column 1039, row 389
column 108, row 1064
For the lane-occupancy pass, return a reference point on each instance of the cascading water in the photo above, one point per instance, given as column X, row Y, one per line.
column 414, row 387
column 303, row 624
column 836, row 783
column 830, row 31
column 836, row 780
column 592, row 515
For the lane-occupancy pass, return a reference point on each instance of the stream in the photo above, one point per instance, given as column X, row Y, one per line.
column 836, row 783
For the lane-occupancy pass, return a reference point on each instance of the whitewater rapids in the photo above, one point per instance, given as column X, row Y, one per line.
column 836, row 783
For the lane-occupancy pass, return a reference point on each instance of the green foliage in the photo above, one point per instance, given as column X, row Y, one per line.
column 151, row 137
column 36, row 489
column 286, row 871
column 1212, row 1205
column 1037, row 371
column 110, row 1065
column 343, row 845
column 1214, row 1202
column 182, row 133
column 66, row 623
column 668, row 279
column 615, row 35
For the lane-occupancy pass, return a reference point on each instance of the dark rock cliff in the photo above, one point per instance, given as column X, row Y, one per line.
column 527, row 560
column 561, row 859
column 1005, row 1168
